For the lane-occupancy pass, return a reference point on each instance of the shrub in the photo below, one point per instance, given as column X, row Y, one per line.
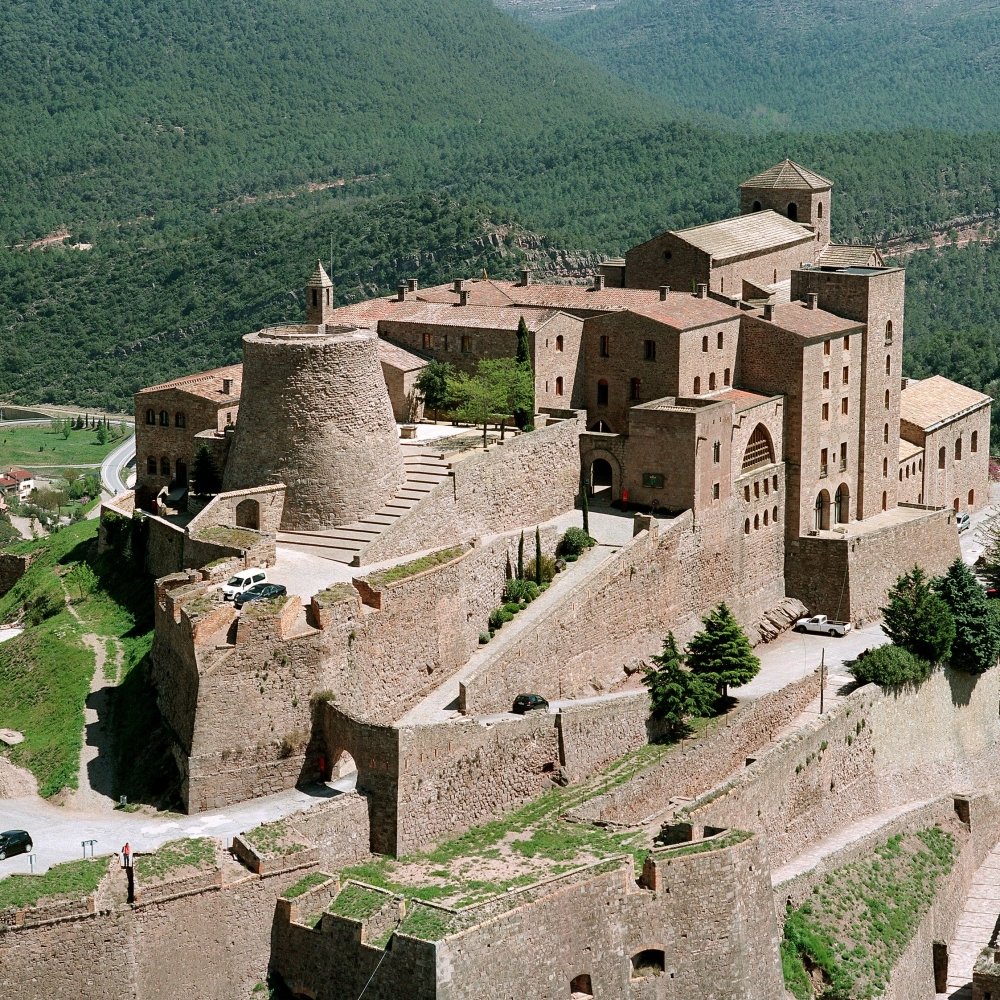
column 484, row 637
column 891, row 666
column 498, row 618
column 574, row 542
column 548, row 569
column 522, row 590
column 512, row 608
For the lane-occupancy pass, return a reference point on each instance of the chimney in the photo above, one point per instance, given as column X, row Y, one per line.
column 459, row 284
column 702, row 292
column 769, row 311
column 812, row 300
column 401, row 292
column 227, row 386
column 411, row 284
column 598, row 283
column 664, row 292
column 525, row 278
column 463, row 297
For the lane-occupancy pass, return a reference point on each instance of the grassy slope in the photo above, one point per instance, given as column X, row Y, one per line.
column 43, row 446
column 823, row 64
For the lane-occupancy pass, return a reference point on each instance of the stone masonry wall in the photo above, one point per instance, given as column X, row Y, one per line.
column 528, row 479
column 12, row 568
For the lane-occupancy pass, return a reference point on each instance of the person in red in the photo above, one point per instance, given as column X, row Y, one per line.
column 126, row 856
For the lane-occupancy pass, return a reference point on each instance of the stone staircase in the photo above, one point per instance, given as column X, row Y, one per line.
column 424, row 470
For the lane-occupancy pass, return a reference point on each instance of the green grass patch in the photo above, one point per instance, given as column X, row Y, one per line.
column 234, row 538
column 194, row 852
column 425, row 922
column 40, row 445
column 272, row 840
column 729, row 839
column 357, row 902
column 861, row 917
column 72, row 879
column 336, row 593
column 305, row 884
column 797, row 980
column 414, row 566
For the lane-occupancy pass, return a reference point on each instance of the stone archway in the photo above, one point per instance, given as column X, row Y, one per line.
column 248, row 514
column 601, row 479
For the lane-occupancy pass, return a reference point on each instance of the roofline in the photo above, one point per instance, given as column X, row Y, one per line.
column 938, row 424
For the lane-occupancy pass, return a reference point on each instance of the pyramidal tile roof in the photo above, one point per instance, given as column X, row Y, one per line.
column 319, row 278
column 788, row 176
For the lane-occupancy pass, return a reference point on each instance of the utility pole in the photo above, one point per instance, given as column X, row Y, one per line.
column 822, row 679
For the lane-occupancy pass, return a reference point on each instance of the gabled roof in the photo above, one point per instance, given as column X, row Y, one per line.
column 206, row 385
column 788, row 176
column 470, row 316
column 20, row 475
column 319, row 279
column 745, row 235
column 936, row 400
column 844, row 255
column 398, row 357
column 797, row 318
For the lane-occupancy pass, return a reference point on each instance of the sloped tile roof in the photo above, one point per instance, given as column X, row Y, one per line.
column 468, row 316
column 743, row 235
column 843, row 255
column 798, row 318
column 207, row 385
column 934, row 400
column 788, row 176
column 743, row 399
column 908, row 451
column 398, row 357
column 319, row 278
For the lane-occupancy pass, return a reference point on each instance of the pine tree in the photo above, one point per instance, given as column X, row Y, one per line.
column 205, row 476
column 917, row 619
column 676, row 694
column 721, row 653
column 977, row 631
column 520, row 557
column 538, row 557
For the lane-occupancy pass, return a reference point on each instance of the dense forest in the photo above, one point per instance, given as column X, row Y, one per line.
column 830, row 65
column 209, row 153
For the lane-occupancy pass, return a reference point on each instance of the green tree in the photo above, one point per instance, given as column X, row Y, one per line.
column 520, row 557
column 917, row 619
column 584, row 503
column 891, row 666
column 102, row 434
column 538, row 557
column 434, row 386
column 514, row 386
column 205, row 475
column 977, row 632
column 523, row 413
column 676, row 694
column 721, row 653
column 476, row 400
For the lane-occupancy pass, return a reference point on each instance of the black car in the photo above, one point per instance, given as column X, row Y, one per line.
column 259, row 592
column 528, row 703
column 14, row 842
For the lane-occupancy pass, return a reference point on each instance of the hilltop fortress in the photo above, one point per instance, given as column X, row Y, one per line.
column 731, row 398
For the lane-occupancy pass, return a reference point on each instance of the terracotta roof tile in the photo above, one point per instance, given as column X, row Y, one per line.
column 319, row 278
column 470, row 316
column 798, row 318
column 935, row 400
column 844, row 255
column 788, row 176
column 398, row 357
column 908, row 451
column 742, row 235
column 743, row 399
column 207, row 385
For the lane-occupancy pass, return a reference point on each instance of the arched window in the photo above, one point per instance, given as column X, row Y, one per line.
column 974, row 443
column 704, row 344
column 958, row 450
column 179, row 419
column 885, row 500
column 651, row 962
column 559, row 385
column 720, row 340
column 822, row 522
column 315, row 297
column 697, row 385
column 774, row 514
column 885, row 467
column 150, row 416
column 755, row 207
column 151, row 466
column 711, row 382
column 559, row 342
column 900, row 475
column 726, row 377
column 792, row 211
column 775, row 276
column 887, row 399
column 581, row 986
column 941, row 457
column 716, row 452
column 842, row 501
column 164, row 418
column 972, row 498
column 759, row 450
column 634, row 388
column 746, row 526
column 819, row 210
column 885, row 434
column 888, row 364
column 756, row 522
column 888, row 332
column 164, row 466
column 765, row 518
column 602, row 392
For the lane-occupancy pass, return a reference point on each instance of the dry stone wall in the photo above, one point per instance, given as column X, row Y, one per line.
column 12, row 568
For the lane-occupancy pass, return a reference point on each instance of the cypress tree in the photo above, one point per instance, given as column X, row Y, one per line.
column 584, row 503
column 538, row 557
column 520, row 557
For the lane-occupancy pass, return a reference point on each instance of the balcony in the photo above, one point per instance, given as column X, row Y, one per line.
column 824, row 471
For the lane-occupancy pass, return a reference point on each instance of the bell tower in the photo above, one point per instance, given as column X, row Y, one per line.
column 319, row 297
column 793, row 191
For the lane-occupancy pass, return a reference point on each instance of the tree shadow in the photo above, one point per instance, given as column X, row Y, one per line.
column 962, row 685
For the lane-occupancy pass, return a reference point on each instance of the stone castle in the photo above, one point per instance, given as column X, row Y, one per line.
column 733, row 396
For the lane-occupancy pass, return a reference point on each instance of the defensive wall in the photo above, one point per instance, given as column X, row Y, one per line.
column 12, row 568
column 874, row 751
column 849, row 578
column 527, row 479
column 594, row 930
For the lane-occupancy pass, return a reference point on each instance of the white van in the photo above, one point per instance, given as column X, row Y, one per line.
column 962, row 521
column 243, row 580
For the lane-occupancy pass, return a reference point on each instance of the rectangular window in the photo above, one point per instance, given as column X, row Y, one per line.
column 843, row 455
column 826, row 348
column 843, row 406
column 426, row 341
column 605, row 352
column 826, row 380
column 466, row 345
column 847, row 343
column 649, row 350
column 446, row 342
column 823, row 465
column 847, row 372
column 826, row 411
column 654, row 480
column 715, row 491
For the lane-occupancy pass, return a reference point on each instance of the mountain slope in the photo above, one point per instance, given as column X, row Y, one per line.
column 829, row 65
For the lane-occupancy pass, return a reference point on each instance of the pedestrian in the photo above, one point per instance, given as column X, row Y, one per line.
column 126, row 856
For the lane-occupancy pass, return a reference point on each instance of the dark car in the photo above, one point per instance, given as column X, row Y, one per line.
column 259, row 592
column 14, row 842
column 528, row 703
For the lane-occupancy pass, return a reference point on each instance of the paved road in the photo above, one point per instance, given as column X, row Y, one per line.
column 111, row 467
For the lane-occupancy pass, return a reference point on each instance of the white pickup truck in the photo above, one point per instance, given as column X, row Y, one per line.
column 822, row 625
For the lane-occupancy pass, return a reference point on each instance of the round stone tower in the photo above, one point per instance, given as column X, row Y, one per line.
column 315, row 415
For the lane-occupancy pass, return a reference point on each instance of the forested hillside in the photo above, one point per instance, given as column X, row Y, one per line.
column 830, row 65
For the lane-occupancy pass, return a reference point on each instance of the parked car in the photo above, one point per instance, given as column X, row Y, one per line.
column 259, row 592
column 14, row 842
column 528, row 703
column 962, row 520
column 822, row 625
column 244, row 580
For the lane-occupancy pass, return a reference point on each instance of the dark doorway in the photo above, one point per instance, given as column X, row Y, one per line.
column 601, row 479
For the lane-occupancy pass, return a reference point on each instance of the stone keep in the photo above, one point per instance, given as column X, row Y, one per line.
column 315, row 415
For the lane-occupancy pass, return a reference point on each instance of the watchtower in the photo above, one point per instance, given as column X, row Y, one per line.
column 793, row 191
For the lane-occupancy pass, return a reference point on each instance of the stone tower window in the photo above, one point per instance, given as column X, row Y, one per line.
column 941, row 457
column 885, row 468
column 888, row 364
column 887, row 399
column 605, row 351
column 842, row 502
column 819, row 210
column 649, row 350
column 826, row 380
column 151, row 466
column 846, row 374
column 792, row 211
column 885, row 500
column 756, row 206
column 466, row 344
column 425, row 341
column 759, row 450
column 164, row 466
column 825, row 411
column 843, row 406
column 972, row 497
column 885, row 434
column 697, row 385
column 847, row 342
column 974, row 443
column 634, row 388
column 559, row 385
column 720, row 340
column 179, row 419
column 717, row 452
column 150, row 416
column 704, row 344
column 746, row 526
column 581, row 986
column 559, row 343
column 958, row 450
column 888, row 332
column 725, row 377
column 711, row 381
column 826, row 348
column 164, row 418
column 602, row 392
column 653, row 962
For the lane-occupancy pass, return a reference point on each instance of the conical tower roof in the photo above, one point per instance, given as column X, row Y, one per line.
column 319, row 279
column 788, row 176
